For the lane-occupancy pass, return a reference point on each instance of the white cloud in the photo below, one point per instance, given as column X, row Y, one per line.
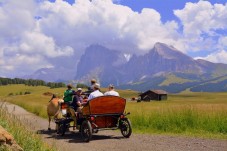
column 38, row 43
column 216, row 57
column 202, row 17
column 23, row 47
column 200, row 24
column 105, row 23
column 222, row 43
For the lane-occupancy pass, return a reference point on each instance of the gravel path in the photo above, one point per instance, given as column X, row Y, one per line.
column 113, row 140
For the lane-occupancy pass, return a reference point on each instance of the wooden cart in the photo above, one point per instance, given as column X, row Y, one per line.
column 103, row 113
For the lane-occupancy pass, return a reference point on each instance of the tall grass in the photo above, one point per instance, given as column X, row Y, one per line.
column 184, row 120
column 28, row 140
column 202, row 114
column 4, row 148
column 184, row 115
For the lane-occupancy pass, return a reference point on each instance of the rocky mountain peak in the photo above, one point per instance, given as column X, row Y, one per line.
column 98, row 61
column 169, row 52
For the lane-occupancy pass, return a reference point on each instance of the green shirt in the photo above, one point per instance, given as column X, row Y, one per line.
column 68, row 95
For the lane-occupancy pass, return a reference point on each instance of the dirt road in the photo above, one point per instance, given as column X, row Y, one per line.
column 113, row 140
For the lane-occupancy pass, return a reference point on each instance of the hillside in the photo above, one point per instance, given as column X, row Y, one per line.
column 178, row 82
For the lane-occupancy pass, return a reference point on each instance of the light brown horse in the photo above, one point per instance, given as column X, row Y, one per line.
column 53, row 108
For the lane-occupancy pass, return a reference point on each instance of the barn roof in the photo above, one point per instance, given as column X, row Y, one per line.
column 155, row 91
column 159, row 91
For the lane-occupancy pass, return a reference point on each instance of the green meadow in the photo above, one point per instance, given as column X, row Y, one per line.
column 189, row 114
column 193, row 114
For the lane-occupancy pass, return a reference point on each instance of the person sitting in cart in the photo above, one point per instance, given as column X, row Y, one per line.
column 90, row 89
column 76, row 105
column 96, row 92
column 93, row 82
column 68, row 94
column 111, row 91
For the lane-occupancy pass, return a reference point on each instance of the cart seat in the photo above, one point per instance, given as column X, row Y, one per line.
column 105, row 105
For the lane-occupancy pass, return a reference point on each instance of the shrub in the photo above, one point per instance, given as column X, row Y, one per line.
column 48, row 93
column 27, row 92
column 10, row 94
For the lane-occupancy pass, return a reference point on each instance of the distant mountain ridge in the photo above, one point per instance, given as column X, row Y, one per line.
column 147, row 71
column 160, row 60
column 52, row 74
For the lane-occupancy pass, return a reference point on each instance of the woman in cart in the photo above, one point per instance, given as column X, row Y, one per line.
column 76, row 105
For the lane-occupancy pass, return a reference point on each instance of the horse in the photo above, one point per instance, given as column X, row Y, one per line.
column 53, row 108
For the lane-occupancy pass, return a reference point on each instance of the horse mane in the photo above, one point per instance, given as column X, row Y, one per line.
column 53, row 96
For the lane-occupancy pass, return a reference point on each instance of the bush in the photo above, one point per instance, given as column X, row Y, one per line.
column 27, row 92
column 48, row 93
column 10, row 94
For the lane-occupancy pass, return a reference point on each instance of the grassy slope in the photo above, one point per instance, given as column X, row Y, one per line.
column 170, row 78
column 178, row 82
column 200, row 114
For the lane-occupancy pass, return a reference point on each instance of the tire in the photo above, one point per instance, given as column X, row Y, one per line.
column 86, row 131
column 61, row 129
column 125, row 127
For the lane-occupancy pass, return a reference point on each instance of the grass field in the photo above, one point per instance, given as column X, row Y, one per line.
column 191, row 114
column 195, row 114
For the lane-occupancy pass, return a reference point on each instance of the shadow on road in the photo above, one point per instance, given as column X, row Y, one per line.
column 75, row 136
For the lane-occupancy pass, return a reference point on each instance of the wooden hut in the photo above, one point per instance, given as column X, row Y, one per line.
column 154, row 95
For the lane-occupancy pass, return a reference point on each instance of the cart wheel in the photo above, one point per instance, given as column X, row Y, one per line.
column 126, row 127
column 61, row 129
column 86, row 131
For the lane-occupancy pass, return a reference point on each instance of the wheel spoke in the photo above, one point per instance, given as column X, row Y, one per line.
column 86, row 131
column 126, row 129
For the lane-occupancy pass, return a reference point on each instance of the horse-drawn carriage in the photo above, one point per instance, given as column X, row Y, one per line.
column 101, row 113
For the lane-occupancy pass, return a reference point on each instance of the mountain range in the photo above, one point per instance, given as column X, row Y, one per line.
column 163, row 67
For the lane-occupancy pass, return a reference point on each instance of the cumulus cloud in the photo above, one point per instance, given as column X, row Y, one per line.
column 222, row 42
column 24, row 48
column 105, row 23
column 201, row 22
column 204, row 28
column 216, row 57
column 38, row 33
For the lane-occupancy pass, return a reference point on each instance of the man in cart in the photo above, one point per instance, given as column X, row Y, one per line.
column 68, row 94
column 96, row 92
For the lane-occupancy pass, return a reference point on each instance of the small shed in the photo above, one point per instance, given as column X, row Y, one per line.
column 154, row 95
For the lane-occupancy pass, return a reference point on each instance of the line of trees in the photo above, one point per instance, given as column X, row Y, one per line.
column 31, row 82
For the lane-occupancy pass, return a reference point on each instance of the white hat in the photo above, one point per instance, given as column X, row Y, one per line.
column 111, row 86
column 79, row 89
column 93, row 81
column 96, row 85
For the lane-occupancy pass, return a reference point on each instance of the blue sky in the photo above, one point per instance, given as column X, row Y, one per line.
column 42, row 32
